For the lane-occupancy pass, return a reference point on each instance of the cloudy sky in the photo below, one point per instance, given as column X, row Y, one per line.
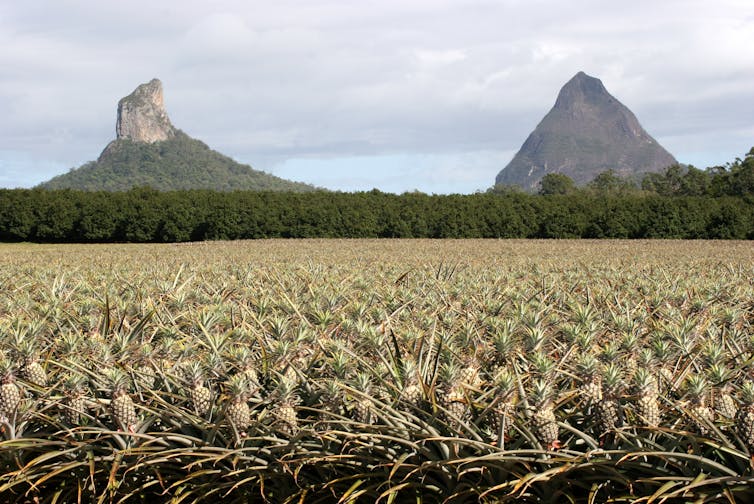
column 434, row 95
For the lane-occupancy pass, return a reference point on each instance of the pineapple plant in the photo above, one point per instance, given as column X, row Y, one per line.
column 543, row 418
column 469, row 375
column 453, row 395
column 722, row 397
column 331, row 399
column 541, row 365
column 647, row 404
column 504, row 406
column 629, row 344
column 590, row 386
column 245, row 363
column 10, row 393
column 142, row 368
column 744, row 417
column 237, row 411
column 285, row 411
column 504, row 343
column 31, row 370
column 74, row 399
column 608, row 410
column 662, row 353
column 339, row 363
column 700, row 412
column 122, row 408
column 363, row 407
column 411, row 392
column 199, row 394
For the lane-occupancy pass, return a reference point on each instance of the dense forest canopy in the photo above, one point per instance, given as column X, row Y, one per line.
column 681, row 203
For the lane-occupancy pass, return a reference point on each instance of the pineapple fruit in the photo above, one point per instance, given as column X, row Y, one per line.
column 74, row 399
column 543, row 417
column 285, row 410
column 411, row 393
column 199, row 395
column 363, row 407
column 701, row 414
column 607, row 409
column 744, row 417
column 238, row 412
column 10, row 393
column 31, row 370
column 504, row 406
column 453, row 396
column 647, row 403
column 122, row 408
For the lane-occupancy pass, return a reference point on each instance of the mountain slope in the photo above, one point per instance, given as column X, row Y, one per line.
column 178, row 163
column 587, row 132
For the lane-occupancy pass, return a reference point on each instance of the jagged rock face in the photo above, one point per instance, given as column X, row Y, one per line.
column 587, row 132
column 142, row 116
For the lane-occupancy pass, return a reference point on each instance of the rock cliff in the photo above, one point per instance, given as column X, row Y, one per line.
column 142, row 116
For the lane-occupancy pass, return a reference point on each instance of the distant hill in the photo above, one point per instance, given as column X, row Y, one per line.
column 587, row 132
column 150, row 151
column 179, row 163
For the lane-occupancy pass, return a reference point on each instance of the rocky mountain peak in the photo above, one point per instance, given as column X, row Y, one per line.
column 587, row 131
column 582, row 89
column 142, row 116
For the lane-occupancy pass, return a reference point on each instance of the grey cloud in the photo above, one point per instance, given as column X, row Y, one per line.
column 271, row 81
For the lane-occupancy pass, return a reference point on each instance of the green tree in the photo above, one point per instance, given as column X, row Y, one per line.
column 556, row 183
column 609, row 183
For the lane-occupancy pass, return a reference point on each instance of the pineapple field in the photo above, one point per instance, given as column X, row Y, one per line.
column 377, row 371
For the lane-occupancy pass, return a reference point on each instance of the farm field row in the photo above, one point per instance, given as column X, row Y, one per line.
column 436, row 370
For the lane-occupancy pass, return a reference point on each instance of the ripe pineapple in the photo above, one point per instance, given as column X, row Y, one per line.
column 412, row 391
column 245, row 363
column 543, row 419
column 31, row 370
column 469, row 374
column 629, row 344
column 363, row 407
column 504, row 343
column 143, row 370
column 701, row 414
column 199, row 395
column 238, row 412
column 286, row 408
column 122, row 407
column 745, row 415
column 74, row 399
column 504, row 407
column 452, row 394
column 331, row 400
column 648, row 408
column 662, row 354
column 591, row 384
column 339, row 363
column 10, row 393
column 722, row 399
column 608, row 410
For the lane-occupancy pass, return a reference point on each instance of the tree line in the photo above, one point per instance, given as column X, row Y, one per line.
column 734, row 179
column 145, row 215
column 680, row 203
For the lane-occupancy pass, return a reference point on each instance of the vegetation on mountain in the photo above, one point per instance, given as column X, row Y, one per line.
column 179, row 163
